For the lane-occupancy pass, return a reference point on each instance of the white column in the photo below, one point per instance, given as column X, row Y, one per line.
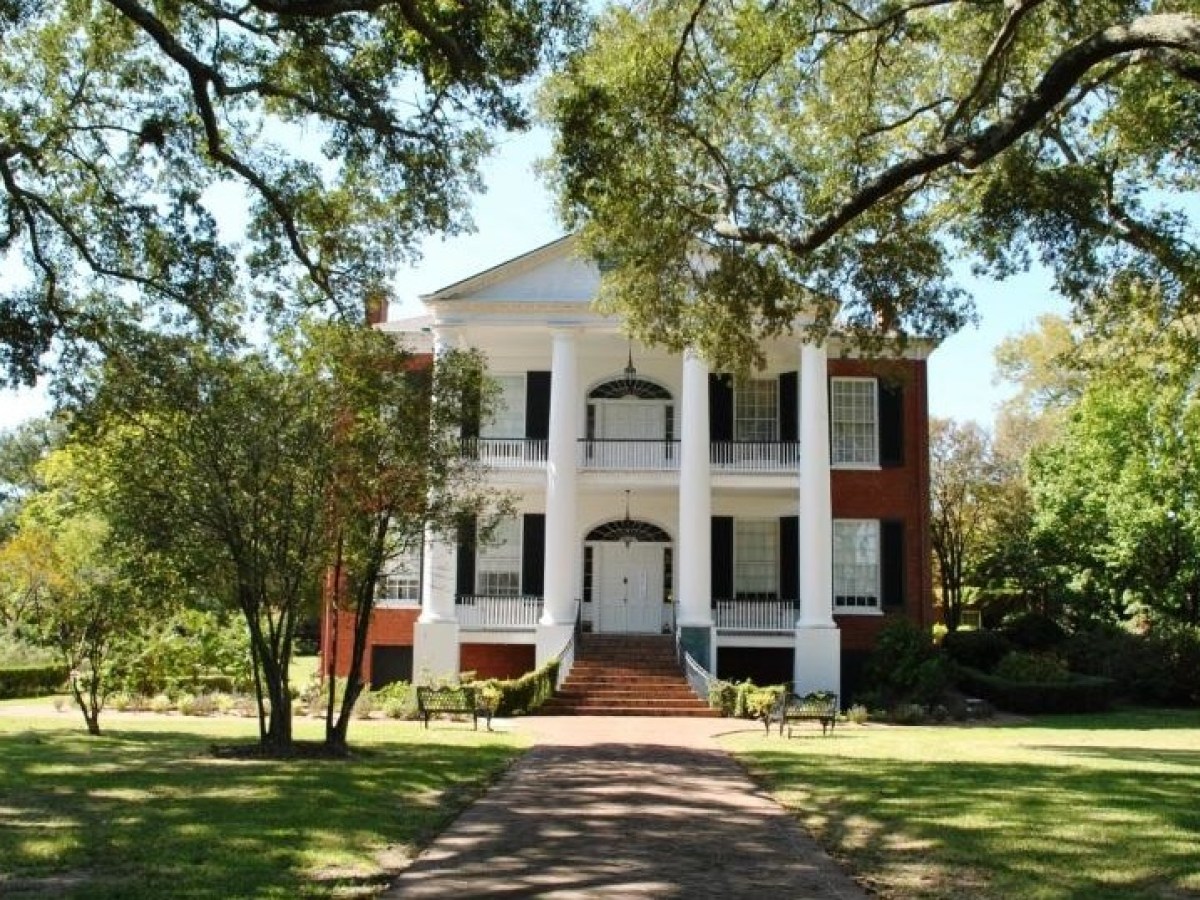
column 439, row 570
column 695, row 498
column 435, row 637
column 561, row 502
column 818, row 643
column 816, row 505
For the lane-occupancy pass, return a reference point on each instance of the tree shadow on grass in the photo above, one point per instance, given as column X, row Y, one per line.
column 1053, row 831
column 156, row 814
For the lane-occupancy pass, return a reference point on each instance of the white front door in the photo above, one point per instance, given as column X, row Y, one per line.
column 630, row 582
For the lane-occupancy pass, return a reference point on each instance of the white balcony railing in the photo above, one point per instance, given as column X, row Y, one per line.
column 754, row 456
column 755, row 615
column 610, row 454
column 507, row 453
column 476, row 613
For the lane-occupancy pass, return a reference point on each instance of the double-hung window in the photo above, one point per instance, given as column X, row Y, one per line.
column 498, row 561
column 854, row 427
column 400, row 581
column 508, row 414
column 856, row 566
column 756, row 558
column 756, row 410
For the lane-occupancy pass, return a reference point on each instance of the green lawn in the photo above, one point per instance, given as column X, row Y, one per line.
column 147, row 811
column 1062, row 807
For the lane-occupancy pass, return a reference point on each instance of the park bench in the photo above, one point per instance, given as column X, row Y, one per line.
column 821, row 706
column 461, row 700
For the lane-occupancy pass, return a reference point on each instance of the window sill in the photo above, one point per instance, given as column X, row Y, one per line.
column 397, row 604
column 858, row 611
column 856, row 467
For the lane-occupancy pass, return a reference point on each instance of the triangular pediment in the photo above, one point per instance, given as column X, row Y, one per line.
column 553, row 273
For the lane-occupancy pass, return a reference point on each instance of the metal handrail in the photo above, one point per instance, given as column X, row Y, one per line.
column 699, row 679
column 566, row 656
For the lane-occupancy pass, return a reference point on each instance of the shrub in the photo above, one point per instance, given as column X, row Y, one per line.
column 524, row 694
column 1032, row 668
column 858, row 714
column 908, row 714
column 160, row 703
column 196, row 704
column 977, row 649
column 722, row 695
column 1034, row 631
column 1159, row 667
column 1081, row 693
column 364, row 704
column 905, row 667
column 31, row 681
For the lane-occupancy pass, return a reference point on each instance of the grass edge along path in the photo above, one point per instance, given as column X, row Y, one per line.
column 1058, row 807
column 147, row 810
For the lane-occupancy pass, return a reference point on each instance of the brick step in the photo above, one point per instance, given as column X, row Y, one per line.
column 624, row 672
column 639, row 695
column 610, row 675
column 629, row 666
column 575, row 687
column 631, row 701
column 698, row 712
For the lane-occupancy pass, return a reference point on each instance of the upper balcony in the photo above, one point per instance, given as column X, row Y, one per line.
column 630, row 455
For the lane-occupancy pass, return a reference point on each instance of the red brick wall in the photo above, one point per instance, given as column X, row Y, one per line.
column 900, row 492
column 388, row 626
column 497, row 660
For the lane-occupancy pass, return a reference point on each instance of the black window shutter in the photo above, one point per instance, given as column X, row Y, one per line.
column 788, row 407
column 789, row 557
column 533, row 554
column 722, row 557
column 891, row 424
column 720, row 407
column 892, row 561
column 537, row 405
column 465, row 581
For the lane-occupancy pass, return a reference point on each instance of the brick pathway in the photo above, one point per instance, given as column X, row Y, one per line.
column 623, row 807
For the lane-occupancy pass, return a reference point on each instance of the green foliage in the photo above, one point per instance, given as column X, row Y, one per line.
column 858, row 714
column 1078, row 694
column 1158, row 667
column 838, row 158
column 977, row 649
column 344, row 134
column 743, row 699
column 905, row 667
column 192, row 650
column 1034, row 631
column 525, row 694
column 31, row 681
column 1032, row 667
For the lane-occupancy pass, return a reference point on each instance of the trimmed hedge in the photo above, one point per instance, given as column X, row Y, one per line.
column 1082, row 693
column 31, row 681
column 977, row 649
column 527, row 693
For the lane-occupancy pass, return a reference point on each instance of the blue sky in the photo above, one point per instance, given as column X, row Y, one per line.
column 516, row 215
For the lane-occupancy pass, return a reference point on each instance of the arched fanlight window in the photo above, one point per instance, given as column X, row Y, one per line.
column 619, row 388
column 629, row 530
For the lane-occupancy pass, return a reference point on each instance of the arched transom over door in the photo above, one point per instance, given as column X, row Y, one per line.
column 628, row 564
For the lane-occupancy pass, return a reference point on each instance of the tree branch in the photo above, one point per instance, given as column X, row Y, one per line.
column 1173, row 31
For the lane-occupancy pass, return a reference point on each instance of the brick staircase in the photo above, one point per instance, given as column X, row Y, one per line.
column 625, row 675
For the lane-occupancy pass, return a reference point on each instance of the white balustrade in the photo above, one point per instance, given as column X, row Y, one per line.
column 477, row 613
column 636, row 455
column 755, row 456
column 507, row 453
column 755, row 615
column 612, row 455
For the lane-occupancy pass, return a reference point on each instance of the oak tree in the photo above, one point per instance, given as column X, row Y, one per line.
column 735, row 165
column 343, row 129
